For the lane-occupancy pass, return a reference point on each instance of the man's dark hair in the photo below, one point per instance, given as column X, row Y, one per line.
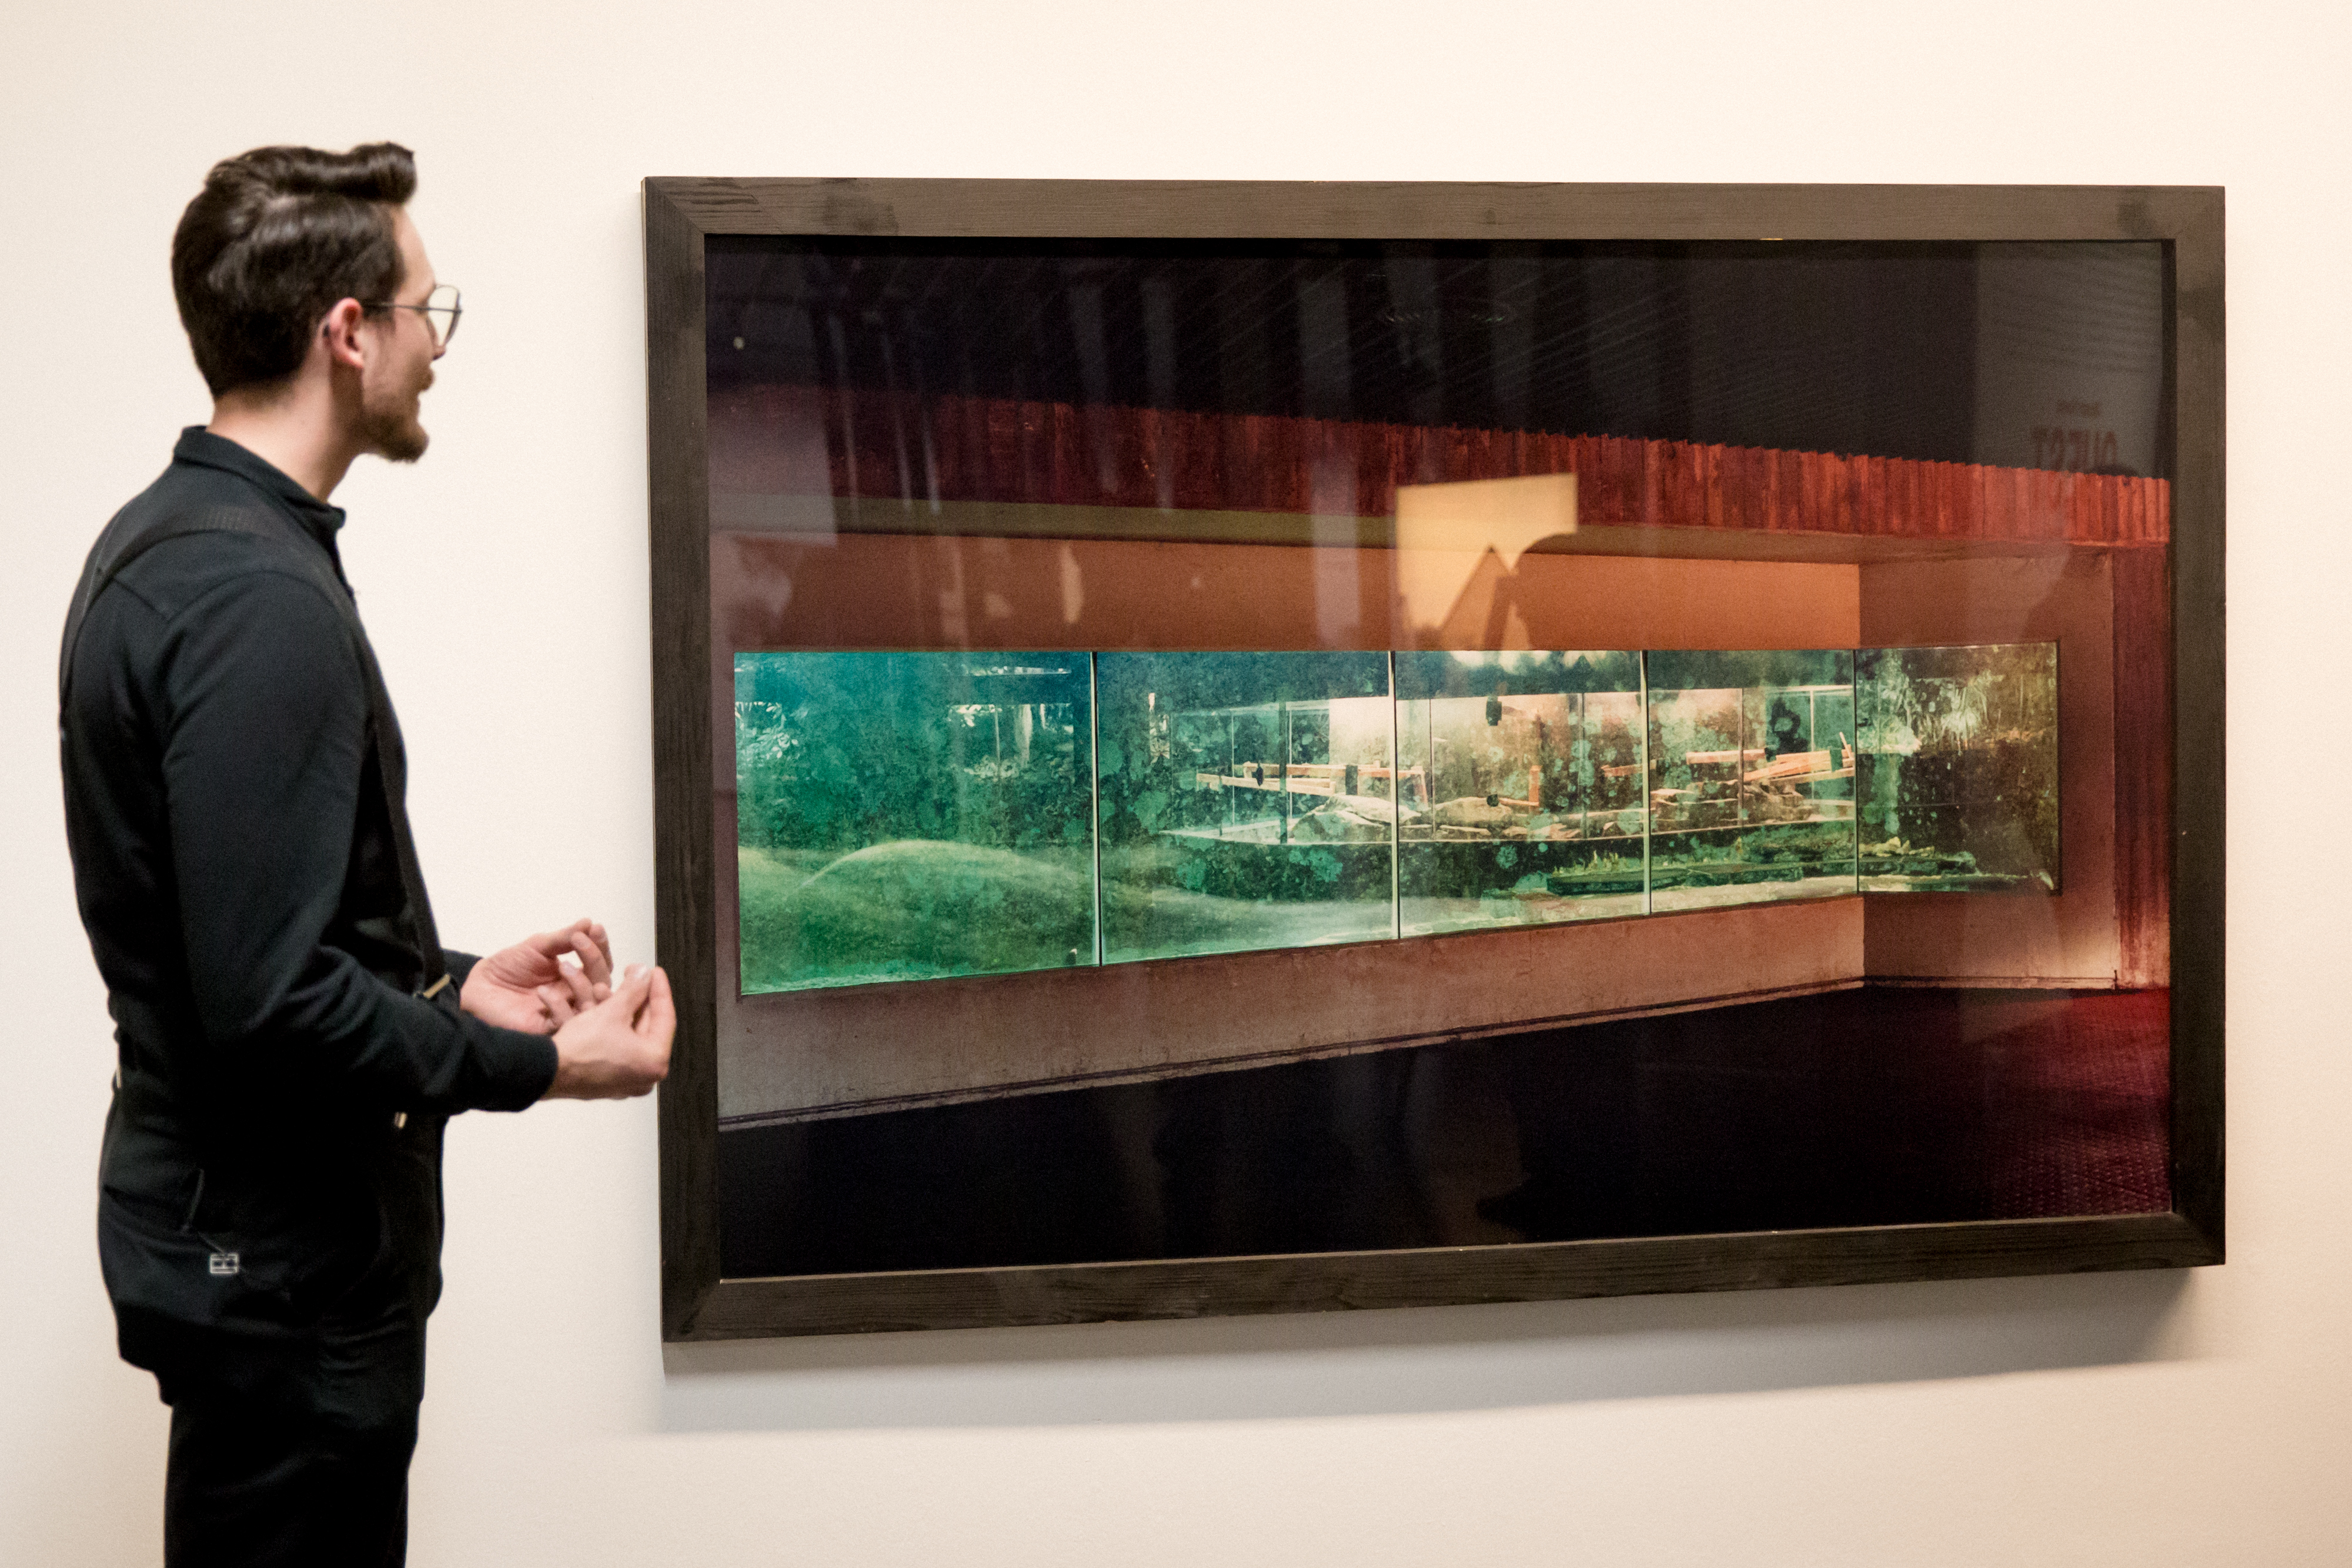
column 275, row 238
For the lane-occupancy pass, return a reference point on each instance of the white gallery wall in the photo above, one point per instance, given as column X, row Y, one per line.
column 2186, row 1419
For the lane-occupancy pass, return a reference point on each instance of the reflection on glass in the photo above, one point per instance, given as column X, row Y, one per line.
column 1959, row 777
column 1751, row 776
column 1247, row 800
column 1521, row 789
column 905, row 816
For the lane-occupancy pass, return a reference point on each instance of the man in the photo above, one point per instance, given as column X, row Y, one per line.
column 291, row 1035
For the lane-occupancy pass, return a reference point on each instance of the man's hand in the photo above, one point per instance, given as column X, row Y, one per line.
column 619, row 1048
column 542, row 980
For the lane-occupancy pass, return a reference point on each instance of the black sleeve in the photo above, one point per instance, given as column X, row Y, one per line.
column 459, row 966
column 265, row 735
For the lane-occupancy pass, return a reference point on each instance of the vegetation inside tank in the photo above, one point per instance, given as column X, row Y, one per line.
column 906, row 816
column 1521, row 789
column 1751, row 776
column 913, row 815
column 1247, row 800
column 1959, row 777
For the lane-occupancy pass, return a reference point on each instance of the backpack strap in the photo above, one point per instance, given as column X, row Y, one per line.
column 383, row 728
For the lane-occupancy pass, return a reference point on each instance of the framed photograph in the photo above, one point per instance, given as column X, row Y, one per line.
column 1240, row 748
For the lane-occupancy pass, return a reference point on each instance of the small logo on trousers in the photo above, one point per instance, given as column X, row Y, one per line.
column 224, row 1263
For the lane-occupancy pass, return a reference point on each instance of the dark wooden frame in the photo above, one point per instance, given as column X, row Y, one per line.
column 697, row 1304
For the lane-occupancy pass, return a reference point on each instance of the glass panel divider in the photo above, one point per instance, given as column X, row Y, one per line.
column 1396, row 804
column 1094, row 776
column 1854, row 775
column 1648, row 899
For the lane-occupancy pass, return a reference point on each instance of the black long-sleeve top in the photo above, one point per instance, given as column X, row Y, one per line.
column 232, row 850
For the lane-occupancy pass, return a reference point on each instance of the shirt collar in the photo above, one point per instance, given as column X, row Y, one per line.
column 202, row 448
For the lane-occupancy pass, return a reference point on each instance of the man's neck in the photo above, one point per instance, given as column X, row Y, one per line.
column 293, row 429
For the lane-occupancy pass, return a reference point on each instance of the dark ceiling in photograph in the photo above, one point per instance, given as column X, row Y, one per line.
column 1833, row 348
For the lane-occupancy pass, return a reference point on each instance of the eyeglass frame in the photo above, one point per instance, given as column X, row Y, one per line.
column 454, row 309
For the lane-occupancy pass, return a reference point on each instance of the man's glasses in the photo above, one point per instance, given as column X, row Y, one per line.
column 441, row 308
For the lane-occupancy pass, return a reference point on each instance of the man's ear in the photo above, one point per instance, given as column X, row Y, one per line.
column 339, row 331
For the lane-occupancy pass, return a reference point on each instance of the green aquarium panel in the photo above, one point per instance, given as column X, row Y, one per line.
column 1247, row 800
column 915, row 815
column 1520, row 788
column 1751, row 771
column 911, row 815
column 1958, row 781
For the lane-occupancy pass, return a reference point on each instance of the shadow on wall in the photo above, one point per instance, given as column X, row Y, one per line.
column 1431, row 1360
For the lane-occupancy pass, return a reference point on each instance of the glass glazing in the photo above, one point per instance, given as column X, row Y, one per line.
column 1861, row 504
column 1751, row 776
column 1247, row 801
column 911, row 816
column 1957, row 775
column 1521, row 789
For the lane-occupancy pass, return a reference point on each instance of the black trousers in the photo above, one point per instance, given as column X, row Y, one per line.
column 292, row 1356
column 293, row 1451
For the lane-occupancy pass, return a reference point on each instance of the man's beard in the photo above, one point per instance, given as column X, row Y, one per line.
column 392, row 429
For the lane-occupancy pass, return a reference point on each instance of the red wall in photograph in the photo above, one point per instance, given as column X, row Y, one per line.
column 803, row 441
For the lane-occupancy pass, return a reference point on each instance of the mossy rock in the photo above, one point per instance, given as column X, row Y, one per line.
column 912, row 909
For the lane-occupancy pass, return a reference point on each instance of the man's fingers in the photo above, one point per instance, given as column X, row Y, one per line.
column 660, row 1014
column 558, row 1004
column 594, row 955
column 604, row 945
column 549, row 944
column 618, row 1049
column 555, row 944
column 629, row 992
column 576, row 981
